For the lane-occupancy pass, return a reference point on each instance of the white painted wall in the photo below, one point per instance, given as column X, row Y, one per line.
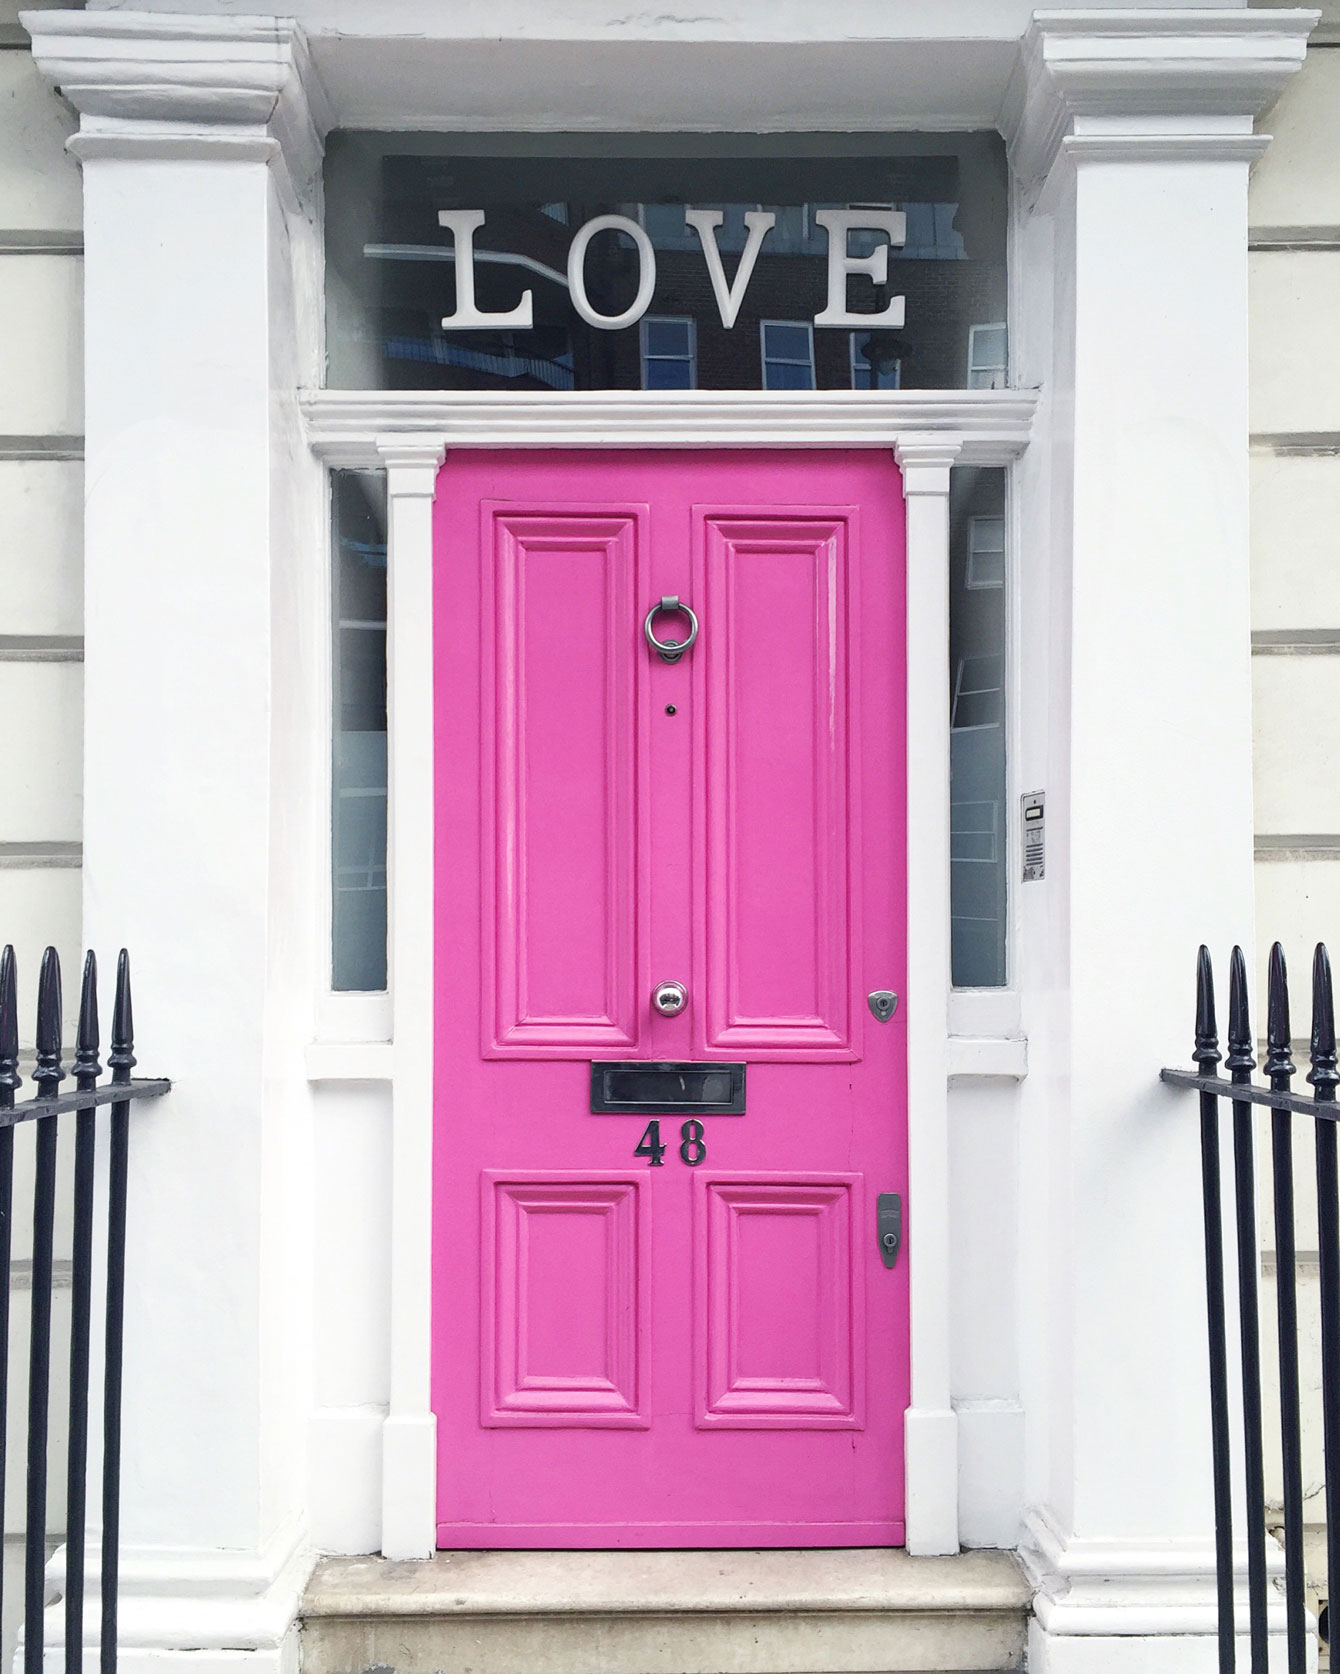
column 1295, row 419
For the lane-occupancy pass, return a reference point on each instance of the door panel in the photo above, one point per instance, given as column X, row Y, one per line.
column 780, row 1355
column 671, row 1332
column 781, row 922
column 563, row 941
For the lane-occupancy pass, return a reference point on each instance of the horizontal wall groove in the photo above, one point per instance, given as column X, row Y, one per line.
column 1299, row 239
column 41, row 648
column 1296, row 443
column 1296, row 642
column 1303, row 845
column 41, row 447
column 38, row 856
column 21, row 1274
column 25, row 243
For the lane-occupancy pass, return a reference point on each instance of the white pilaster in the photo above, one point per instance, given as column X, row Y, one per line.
column 1133, row 135
column 931, row 1428
column 409, row 1445
column 202, row 576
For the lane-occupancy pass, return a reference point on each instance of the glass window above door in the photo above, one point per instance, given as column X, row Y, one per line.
column 584, row 262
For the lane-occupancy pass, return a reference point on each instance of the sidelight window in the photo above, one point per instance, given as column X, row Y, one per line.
column 978, row 859
column 358, row 765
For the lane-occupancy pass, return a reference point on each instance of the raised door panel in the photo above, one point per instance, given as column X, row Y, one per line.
column 565, row 1309
column 781, row 1324
column 781, row 819
column 561, row 918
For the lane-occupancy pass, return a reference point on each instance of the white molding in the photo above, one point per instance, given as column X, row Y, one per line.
column 931, row 1427
column 187, row 88
column 409, row 1474
column 1133, row 1587
column 988, row 427
column 1201, row 75
column 341, row 1060
column 970, row 1057
column 991, row 1056
column 194, row 1602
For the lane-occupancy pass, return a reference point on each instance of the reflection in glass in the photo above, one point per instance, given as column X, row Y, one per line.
column 977, row 816
column 358, row 907
column 391, row 265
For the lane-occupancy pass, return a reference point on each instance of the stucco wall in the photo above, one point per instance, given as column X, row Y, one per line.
column 1295, row 418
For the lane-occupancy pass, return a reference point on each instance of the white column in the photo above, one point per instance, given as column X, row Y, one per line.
column 409, row 1444
column 1134, row 136
column 198, row 790
column 931, row 1429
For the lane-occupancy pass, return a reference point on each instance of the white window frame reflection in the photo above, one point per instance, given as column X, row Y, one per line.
column 988, row 372
column 768, row 360
column 986, row 541
column 690, row 359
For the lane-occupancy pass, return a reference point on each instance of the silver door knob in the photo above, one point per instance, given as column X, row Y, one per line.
column 669, row 998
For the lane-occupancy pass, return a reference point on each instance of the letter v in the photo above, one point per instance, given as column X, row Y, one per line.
column 705, row 223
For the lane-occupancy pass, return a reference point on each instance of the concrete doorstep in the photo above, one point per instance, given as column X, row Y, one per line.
column 769, row 1612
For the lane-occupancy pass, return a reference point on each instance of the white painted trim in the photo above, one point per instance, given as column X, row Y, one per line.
column 931, row 1425
column 411, row 460
column 987, row 427
column 994, row 1056
column 350, row 1061
column 409, row 1451
column 970, row 1057
column 1120, row 75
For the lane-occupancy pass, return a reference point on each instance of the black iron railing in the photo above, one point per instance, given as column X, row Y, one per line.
column 1285, row 1105
column 45, row 1110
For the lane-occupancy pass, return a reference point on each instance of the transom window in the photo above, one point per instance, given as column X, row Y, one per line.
column 555, row 262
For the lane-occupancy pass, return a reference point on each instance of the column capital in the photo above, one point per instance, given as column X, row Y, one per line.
column 925, row 459
column 412, row 463
column 185, row 88
column 1147, row 85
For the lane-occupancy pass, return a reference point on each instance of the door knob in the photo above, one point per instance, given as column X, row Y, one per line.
column 669, row 998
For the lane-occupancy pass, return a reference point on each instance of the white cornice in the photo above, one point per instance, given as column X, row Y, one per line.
column 1195, row 79
column 160, row 85
column 986, row 427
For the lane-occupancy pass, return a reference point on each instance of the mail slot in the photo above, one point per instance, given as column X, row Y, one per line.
column 637, row 1089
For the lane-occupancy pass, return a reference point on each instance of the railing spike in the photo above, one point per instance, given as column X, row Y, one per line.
column 1279, row 1059
column 87, row 1069
column 1207, row 1052
column 122, row 1055
column 10, row 1079
column 48, row 1074
column 1323, row 1075
column 1239, row 1057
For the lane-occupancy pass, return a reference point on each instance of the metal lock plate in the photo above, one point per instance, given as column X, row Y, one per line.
column 889, row 1225
column 883, row 1003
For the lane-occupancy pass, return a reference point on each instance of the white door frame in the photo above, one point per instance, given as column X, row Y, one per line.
column 408, row 434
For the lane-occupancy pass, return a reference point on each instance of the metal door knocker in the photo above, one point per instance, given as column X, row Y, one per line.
column 670, row 650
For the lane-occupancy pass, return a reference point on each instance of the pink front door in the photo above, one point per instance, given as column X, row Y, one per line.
column 669, row 1330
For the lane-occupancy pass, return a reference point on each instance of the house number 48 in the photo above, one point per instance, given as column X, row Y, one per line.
column 692, row 1146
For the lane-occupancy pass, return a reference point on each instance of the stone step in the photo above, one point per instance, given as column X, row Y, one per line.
column 776, row 1612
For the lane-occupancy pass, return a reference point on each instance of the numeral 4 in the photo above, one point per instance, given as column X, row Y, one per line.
column 650, row 1147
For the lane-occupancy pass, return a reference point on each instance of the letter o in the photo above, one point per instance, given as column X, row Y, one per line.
column 646, row 257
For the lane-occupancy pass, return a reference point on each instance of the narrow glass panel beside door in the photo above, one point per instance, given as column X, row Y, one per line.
column 978, row 843
column 358, row 767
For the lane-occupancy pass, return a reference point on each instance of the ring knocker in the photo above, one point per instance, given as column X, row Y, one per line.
column 670, row 650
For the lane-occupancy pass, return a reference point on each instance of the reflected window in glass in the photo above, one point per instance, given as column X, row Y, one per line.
column 986, row 357
column 668, row 360
column 788, row 354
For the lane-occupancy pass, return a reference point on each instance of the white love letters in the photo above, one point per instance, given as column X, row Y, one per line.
column 838, row 224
